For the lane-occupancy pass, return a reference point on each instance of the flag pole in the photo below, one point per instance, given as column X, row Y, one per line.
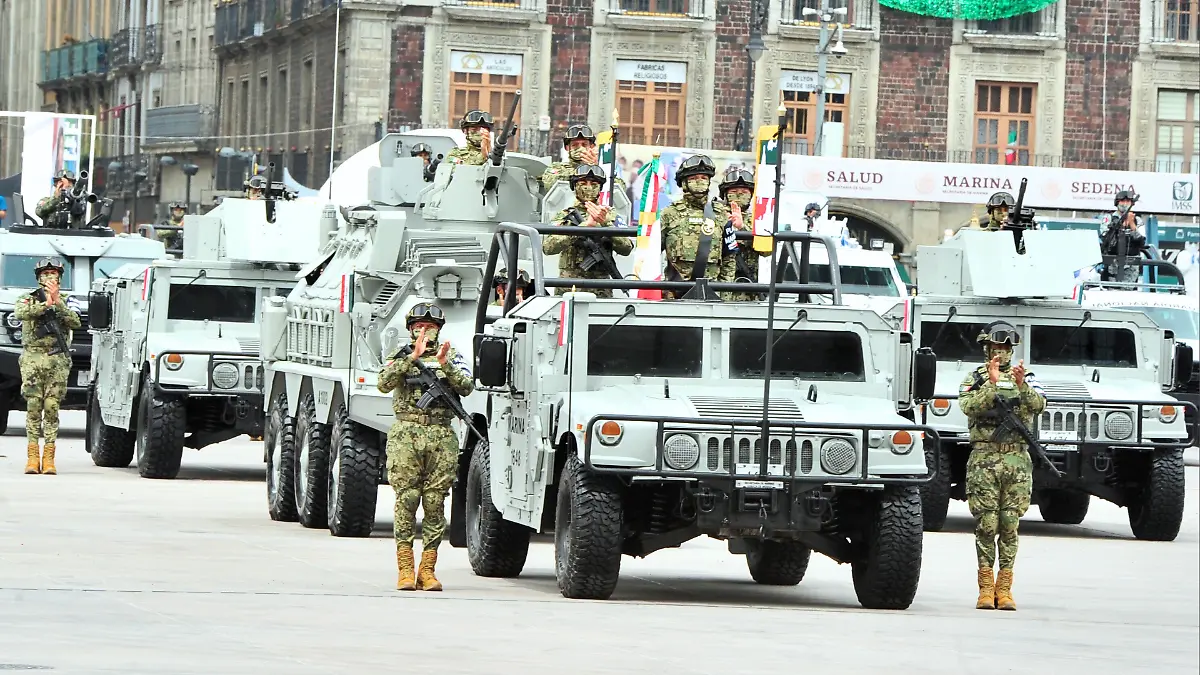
column 337, row 34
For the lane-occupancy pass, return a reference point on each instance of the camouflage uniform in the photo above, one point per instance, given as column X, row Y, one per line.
column 44, row 372
column 682, row 224
column 564, row 170
column 999, row 470
column 48, row 206
column 422, row 452
column 740, row 178
column 570, row 251
column 471, row 124
column 170, row 238
column 472, row 154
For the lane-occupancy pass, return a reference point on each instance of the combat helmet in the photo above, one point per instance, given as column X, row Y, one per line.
column 419, row 148
column 48, row 264
column 64, row 173
column 999, row 332
column 812, row 206
column 1001, row 199
column 1125, row 194
column 577, row 132
column 176, row 205
column 589, row 172
column 425, row 311
column 696, row 165
column 477, row 118
column 256, row 183
column 736, row 177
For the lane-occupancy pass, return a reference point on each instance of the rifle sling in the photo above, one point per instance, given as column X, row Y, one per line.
column 704, row 250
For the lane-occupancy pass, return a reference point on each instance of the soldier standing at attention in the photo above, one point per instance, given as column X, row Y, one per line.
column 737, row 189
column 422, row 450
column 580, row 143
column 999, row 471
column 694, row 244
column 998, row 207
column 48, row 208
column 477, row 125
column 574, row 254
column 44, row 366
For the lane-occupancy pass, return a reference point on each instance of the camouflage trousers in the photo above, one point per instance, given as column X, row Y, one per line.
column 422, row 460
column 43, row 385
column 999, row 486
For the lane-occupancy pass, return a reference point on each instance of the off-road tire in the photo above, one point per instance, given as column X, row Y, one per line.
column 778, row 563
column 162, row 420
column 1063, row 506
column 1156, row 513
column 355, row 464
column 279, row 440
column 312, row 465
column 587, row 533
column 935, row 495
column 886, row 577
column 495, row 547
column 109, row 447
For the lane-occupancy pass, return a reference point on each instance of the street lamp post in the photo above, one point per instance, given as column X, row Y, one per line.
column 825, row 16
column 754, row 49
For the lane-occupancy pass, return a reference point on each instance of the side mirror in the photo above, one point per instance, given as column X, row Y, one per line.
column 924, row 374
column 1184, row 360
column 491, row 361
column 100, row 311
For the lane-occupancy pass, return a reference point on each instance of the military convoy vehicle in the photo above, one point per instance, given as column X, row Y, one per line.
column 177, row 360
column 1109, row 424
column 93, row 252
column 325, row 343
column 626, row 426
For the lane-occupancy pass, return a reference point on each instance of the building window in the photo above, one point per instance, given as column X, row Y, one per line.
column 1042, row 22
column 280, row 102
column 1178, row 131
column 1004, row 123
column 800, row 99
column 1181, row 19
column 793, row 11
column 652, row 113
column 306, row 87
column 487, row 82
column 246, row 109
column 660, row 7
column 228, row 116
column 262, row 107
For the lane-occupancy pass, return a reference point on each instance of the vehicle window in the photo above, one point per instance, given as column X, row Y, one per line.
column 855, row 279
column 17, row 271
column 104, row 267
column 199, row 302
column 1184, row 323
column 957, row 340
column 806, row 354
column 1112, row 347
column 663, row 351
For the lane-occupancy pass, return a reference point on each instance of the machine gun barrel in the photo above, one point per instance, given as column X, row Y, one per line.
column 79, row 189
column 1013, row 422
column 500, row 146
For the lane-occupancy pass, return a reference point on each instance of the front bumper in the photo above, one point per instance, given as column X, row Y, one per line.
column 77, row 381
column 248, row 370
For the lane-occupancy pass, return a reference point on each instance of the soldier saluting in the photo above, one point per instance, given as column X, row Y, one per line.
column 694, row 243
column 580, row 144
column 737, row 190
column 477, row 125
column 998, row 206
column 579, row 259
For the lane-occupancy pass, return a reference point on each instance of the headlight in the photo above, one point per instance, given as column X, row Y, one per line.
column 838, row 456
column 610, row 433
column 173, row 361
column 902, row 442
column 1167, row 413
column 11, row 320
column 939, row 407
column 225, row 376
column 1118, row 425
column 681, row 452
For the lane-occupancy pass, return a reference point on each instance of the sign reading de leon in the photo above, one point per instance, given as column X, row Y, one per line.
column 652, row 71
column 806, row 80
column 489, row 64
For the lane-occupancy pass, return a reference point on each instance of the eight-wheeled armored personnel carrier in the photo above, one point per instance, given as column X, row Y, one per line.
column 1109, row 424
column 176, row 361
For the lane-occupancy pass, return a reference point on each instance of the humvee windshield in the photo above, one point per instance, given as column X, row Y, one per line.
column 664, row 351
column 957, row 341
column 196, row 302
column 17, row 271
column 102, row 268
column 856, row 279
column 1111, row 347
column 804, row 354
column 1185, row 324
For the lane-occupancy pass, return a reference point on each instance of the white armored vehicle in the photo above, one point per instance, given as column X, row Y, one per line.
column 93, row 252
column 1109, row 424
column 626, row 426
column 324, row 345
column 177, row 360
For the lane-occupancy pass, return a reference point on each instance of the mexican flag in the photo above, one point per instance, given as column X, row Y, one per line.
column 647, row 259
column 1010, row 154
column 764, row 186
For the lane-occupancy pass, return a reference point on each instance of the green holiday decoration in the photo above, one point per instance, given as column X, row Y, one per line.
column 977, row 10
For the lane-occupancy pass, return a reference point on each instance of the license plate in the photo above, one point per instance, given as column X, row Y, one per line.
column 1047, row 435
column 1058, row 448
column 759, row 484
column 752, row 470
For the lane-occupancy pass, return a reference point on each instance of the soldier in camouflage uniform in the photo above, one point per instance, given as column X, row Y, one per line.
column 477, row 125
column 44, row 367
column 580, row 144
column 998, row 207
column 422, row 450
column 171, row 238
column 255, row 188
column 999, row 471
column 690, row 225
column 48, row 207
column 737, row 190
column 500, row 285
column 587, row 181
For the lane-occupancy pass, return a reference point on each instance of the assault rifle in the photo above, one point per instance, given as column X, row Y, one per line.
column 48, row 324
column 1010, row 421
column 437, row 390
column 597, row 254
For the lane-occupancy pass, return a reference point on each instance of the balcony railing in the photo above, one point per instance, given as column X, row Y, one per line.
column 695, row 9
column 1176, row 21
column 859, row 13
column 81, row 59
column 524, row 5
column 238, row 20
column 132, row 47
column 1043, row 23
column 177, row 124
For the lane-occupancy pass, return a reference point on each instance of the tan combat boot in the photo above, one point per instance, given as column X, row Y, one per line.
column 987, row 590
column 404, row 561
column 1004, row 598
column 48, row 460
column 425, row 579
column 32, row 465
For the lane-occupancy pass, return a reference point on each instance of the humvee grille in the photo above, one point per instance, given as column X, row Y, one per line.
column 82, row 336
column 719, row 454
column 744, row 408
column 1065, row 389
column 248, row 345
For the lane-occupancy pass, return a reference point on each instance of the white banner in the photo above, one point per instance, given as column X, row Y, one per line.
column 654, row 71
column 491, row 64
column 806, row 80
column 51, row 141
column 1049, row 188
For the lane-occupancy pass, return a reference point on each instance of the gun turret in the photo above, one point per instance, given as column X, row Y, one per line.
column 500, row 145
column 1020, row 218
column 978, row 263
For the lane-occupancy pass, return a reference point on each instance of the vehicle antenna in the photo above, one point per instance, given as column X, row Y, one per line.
column 766, row 423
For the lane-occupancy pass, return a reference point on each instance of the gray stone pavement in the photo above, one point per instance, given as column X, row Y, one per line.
column 104, row 572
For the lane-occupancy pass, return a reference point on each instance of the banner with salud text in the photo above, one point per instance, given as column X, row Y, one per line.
column 1049, row 187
